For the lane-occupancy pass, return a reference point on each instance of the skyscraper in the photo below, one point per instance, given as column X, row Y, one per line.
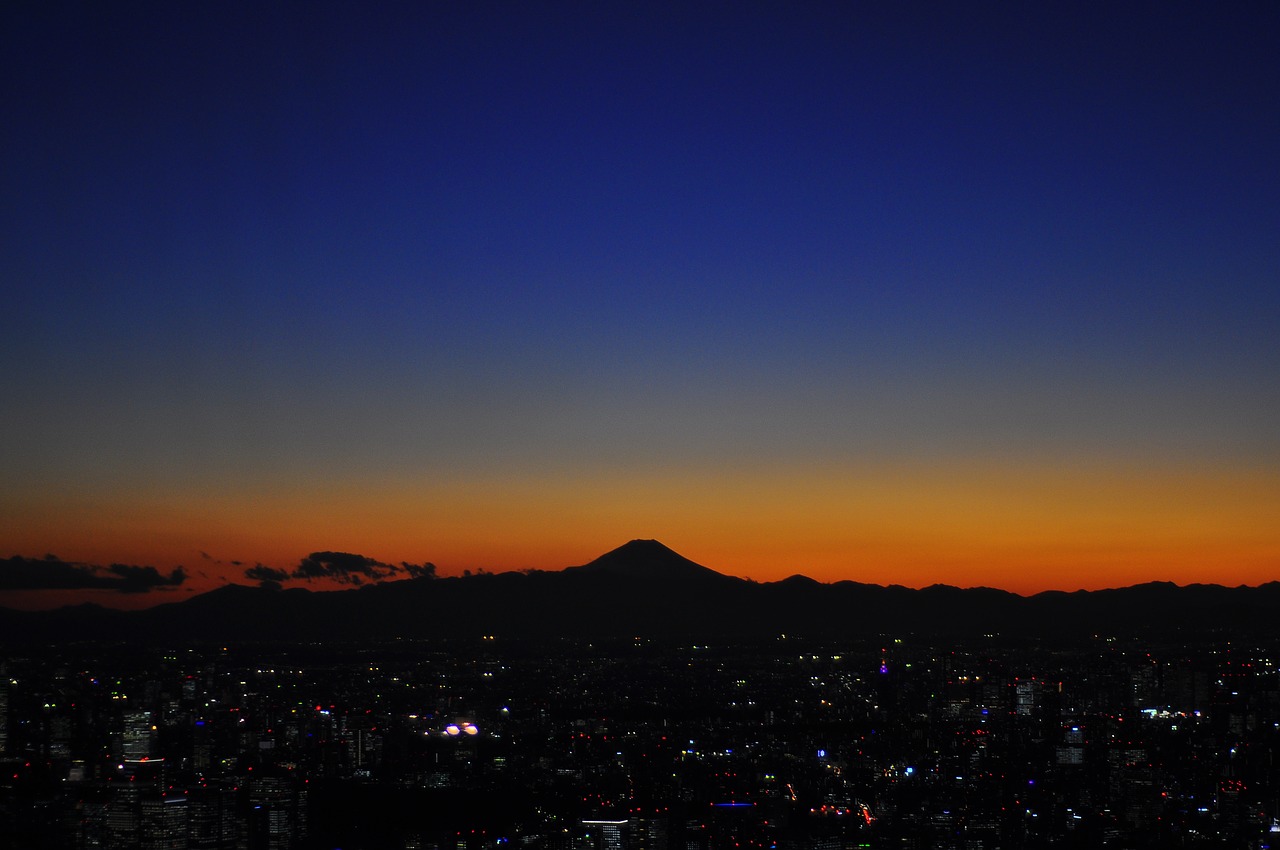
column 138, row 740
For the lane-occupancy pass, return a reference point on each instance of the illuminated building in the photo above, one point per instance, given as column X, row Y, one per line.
column 143, row 772
column 1024, row 698
column 163, row 823
column 212, row 817
column 4, row 708
column 278, row 813
column 123, row 815
column 139, row 737
column 605, row 834
column 646, row 834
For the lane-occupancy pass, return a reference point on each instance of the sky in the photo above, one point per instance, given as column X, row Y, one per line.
column 903, row 293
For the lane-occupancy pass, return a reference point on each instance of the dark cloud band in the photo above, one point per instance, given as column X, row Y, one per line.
column 342, row 567
column 52, row 573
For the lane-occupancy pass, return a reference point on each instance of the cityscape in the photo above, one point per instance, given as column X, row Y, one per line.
column 492, row 742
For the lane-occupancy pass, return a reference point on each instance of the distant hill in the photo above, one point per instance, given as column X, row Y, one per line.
column 643, row 588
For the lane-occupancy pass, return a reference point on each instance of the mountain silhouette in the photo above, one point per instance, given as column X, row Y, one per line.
column 648, row 560
column 643, row 588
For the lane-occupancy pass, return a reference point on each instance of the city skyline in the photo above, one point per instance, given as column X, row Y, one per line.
column 967, row 294
column 637, row 744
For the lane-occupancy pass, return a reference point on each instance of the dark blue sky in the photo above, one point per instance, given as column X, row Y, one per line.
column 317, row 246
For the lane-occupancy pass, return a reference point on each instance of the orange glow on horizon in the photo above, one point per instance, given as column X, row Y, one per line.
column 1019, row 528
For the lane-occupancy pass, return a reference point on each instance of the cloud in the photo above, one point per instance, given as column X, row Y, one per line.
column 52, row 573
column 142, row 579
column 343, row 567
column 266, row 575
column 427, row 570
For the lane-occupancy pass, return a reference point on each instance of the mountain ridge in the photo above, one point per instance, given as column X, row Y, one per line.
column 643, row 588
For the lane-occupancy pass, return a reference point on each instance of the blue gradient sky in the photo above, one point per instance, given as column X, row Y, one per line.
column 726, row 276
